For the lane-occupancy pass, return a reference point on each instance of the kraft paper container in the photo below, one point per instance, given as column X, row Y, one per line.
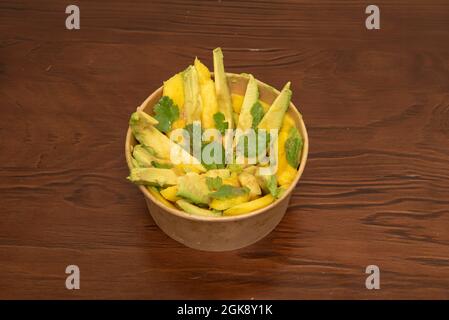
column 221, row 233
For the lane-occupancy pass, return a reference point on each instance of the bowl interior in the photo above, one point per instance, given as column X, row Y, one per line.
column 237, row 84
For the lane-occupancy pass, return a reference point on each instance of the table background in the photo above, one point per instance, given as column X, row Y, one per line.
column 375, row 188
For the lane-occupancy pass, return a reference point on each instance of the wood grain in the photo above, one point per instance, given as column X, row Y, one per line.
column 375, row 189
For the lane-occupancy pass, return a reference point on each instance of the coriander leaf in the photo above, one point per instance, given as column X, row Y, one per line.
column 165, row 112
column 214, row 183
column 257, row 114
column 220, row 122
column 293, row 146
column 226, row 191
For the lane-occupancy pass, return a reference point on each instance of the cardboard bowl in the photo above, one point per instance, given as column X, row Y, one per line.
column 221, row 233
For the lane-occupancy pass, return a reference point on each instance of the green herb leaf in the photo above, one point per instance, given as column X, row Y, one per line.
column 226, row 191
column 214, row 183
column 293, row 147
column 257, row 114
column 166, row 112
column 220, row 122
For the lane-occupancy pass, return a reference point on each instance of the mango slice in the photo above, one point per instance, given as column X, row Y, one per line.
column 285, row 173
column 158, row 196
column 170, row 193
column 223, row 204
column 237, row 101
column 249, row 206
column 208, row 96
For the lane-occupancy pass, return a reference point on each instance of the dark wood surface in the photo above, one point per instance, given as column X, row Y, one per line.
column 375, row 189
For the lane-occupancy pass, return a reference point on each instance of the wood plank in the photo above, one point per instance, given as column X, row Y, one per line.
column 375, row 189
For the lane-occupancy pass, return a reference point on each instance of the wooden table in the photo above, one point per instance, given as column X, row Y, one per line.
column 375, row 190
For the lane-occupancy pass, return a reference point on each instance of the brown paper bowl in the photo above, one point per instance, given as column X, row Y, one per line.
column 222, row 233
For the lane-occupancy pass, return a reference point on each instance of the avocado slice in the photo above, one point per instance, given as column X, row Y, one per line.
column 268, row 183
column 248, row 180
column 153, row 176
column 190, row 208
column 193, row 187
column 142, row 127
column 144, row 157
column 221, row 87
column 274, row 116
column 192, row 99
column 251, row 97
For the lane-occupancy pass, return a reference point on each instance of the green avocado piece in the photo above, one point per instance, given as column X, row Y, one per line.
column 275, row 115
column 144, row 131
column 221, row 87
column 153, row 177
column 192, row 99
column 190, row 208
column 193, row 187
column 251, row 97
column 268, row 183
column 144, row 157
column 248, row 180
column 142, row 127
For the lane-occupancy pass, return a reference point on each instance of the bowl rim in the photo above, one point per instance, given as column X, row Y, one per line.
column 183, row 214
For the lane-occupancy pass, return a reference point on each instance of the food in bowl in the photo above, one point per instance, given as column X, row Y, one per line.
column 209, row 152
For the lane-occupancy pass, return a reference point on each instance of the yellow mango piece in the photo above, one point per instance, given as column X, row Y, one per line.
column 210, row 106
column 174, row 88
column 158, row 196
column 170, row 193
column 237, row 101
column 287, row 123
column 285, row 173
column 223, row 204
column 249, row 206
column 233, row 180
column 265, row 106
column 203, row 72
column 185, row 167
column 208, row 95
column 178, row 124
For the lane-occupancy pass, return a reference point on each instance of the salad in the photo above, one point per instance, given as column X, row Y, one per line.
column 210, row 152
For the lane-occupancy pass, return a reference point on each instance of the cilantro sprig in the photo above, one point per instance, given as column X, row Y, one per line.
column 227, row 191
column 293, row 147
column 214, row 183
column 257, row 113
column 220, row 122
column 165, row 112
